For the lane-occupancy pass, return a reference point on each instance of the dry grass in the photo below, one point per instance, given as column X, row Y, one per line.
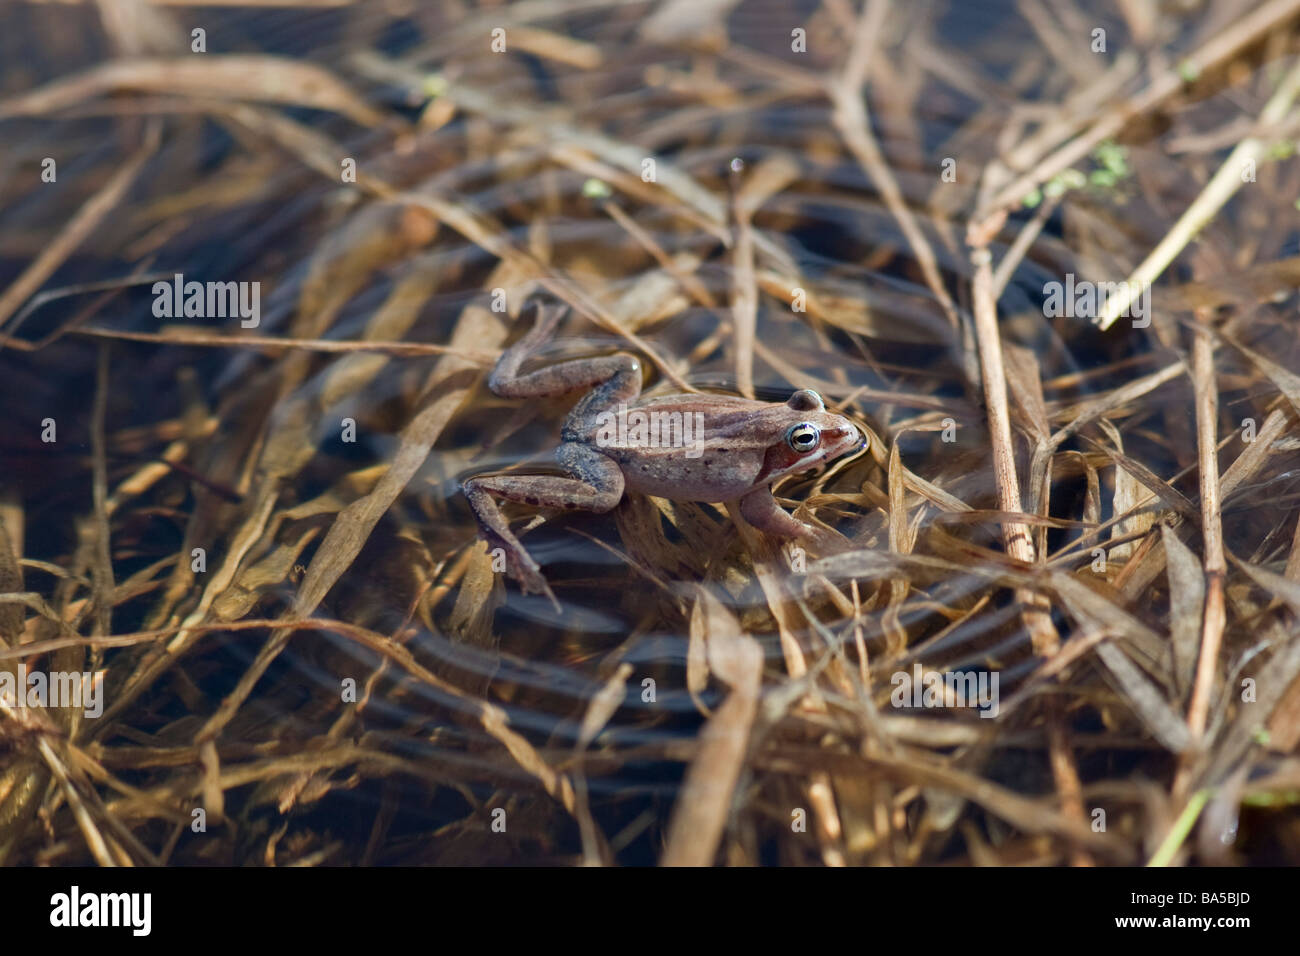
column 1106, row 519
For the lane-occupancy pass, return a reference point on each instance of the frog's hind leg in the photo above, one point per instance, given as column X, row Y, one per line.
column 597, row 486
column 619, row 375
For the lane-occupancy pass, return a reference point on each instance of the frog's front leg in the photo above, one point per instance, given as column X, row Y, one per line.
column 760, row 509
column 597, row 486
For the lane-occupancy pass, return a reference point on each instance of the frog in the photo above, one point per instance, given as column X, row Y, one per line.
column 720, row 448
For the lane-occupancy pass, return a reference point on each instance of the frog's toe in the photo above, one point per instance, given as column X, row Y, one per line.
column 834, row 543
column 531, row 582
column 825, row 541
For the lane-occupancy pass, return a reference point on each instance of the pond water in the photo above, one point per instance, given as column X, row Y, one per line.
column 255, row 265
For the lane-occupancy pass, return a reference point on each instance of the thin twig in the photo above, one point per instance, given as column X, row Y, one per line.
column 1207, row 411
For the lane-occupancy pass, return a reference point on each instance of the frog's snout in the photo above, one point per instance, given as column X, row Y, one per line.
column 848, row 437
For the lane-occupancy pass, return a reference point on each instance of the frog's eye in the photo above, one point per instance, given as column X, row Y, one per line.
column 803, row 437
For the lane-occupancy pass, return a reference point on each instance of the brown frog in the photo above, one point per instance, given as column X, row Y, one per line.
column 686, row 447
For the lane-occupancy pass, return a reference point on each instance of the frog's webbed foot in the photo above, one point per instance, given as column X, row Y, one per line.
column 597, row 487
column 505, row 376
column 519, row 563
column 760, row 509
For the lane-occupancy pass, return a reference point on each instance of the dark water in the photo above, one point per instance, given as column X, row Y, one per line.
column 225, row 197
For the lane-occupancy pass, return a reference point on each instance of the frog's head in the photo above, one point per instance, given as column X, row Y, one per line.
column 808, row 435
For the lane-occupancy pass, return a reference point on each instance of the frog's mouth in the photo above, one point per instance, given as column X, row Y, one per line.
column 848, row 438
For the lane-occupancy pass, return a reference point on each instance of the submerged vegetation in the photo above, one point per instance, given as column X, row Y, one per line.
column 1064, row 624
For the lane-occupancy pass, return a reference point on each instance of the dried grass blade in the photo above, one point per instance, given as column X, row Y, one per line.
column 87, row 218
column 269, row 79
column 704, row 802
column 1160, row 719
